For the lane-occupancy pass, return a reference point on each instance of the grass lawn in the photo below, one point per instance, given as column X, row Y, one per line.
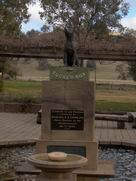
column 30, row 70
column 122, row 96
column 106, row 100
column 106, row 106
column 21, row 90
column 22, row 87
column 116, row 100
column 105, row 71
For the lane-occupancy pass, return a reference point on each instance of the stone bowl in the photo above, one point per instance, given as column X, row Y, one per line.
column 42, row 161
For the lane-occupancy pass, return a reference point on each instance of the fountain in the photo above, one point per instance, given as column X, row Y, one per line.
column 57, row 166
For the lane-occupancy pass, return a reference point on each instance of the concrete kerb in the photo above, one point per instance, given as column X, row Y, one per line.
column 17, row 143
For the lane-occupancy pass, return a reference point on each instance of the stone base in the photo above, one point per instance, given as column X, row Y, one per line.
column 90, row 147
column 88, row 179
column 105, row 169
column 52, row 176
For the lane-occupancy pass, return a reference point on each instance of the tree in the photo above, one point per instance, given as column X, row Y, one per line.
column 8, row 67
column 32, row 33
column 90, row 16
column 122, row 70
column 132, row 69
column 131, row 33
column 2, row 69
column 45, row 28
column 12, row 14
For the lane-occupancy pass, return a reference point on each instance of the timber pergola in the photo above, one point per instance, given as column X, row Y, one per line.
column 51, row 46
column 92, row 55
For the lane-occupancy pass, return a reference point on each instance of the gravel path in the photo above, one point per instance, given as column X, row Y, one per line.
column 125, row 161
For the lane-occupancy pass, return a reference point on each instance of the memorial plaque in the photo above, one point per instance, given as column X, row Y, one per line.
column 69, row 73
column 79, row 150
column 67, row 120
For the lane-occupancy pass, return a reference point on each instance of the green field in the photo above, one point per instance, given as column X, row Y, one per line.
column 111, row 94
column 106, row 100
column 22, row 87
column 109, row 106
column 19, row 91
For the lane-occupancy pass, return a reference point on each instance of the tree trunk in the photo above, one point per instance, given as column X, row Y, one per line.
column 1, row 81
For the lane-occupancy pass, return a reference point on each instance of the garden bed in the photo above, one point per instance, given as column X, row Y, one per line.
column 19, row 107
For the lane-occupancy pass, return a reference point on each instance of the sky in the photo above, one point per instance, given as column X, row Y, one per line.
column 130, row 19
column 36, row 23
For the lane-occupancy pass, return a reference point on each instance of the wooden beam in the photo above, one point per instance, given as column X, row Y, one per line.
column 96, row 55
column 31, row 55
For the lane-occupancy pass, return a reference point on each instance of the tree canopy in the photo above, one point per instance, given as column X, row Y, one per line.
column 77, row 16
column 12, row 14
column 97, row 16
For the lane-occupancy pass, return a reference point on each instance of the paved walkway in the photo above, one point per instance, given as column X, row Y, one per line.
column 22, row 128
column 18, row 128
column 107, row 133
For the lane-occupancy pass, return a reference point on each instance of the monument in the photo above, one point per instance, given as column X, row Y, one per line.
column 68, row 123
column 57, row 166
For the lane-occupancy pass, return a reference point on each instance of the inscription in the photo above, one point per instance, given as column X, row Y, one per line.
column 68, row 77
column 66, row 73
column 67, row 120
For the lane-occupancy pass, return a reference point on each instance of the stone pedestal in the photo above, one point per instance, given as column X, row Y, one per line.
column 57, row 170
column 56, row 177
column 68, row 111
column 88, row 149
column 68, row 119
